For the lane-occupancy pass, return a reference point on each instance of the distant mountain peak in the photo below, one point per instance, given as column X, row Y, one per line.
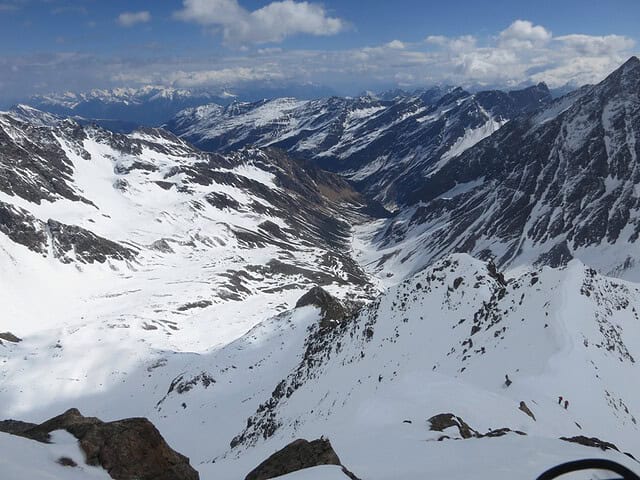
column 627, row 75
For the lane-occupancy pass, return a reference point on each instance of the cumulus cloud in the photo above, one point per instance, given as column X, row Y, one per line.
column 129, row 19
column 271, row 23
column 524, row 34
column 524, row 52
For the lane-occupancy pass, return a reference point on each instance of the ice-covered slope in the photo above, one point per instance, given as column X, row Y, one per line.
column 440, row 342
column 560, row 184
column 385, row 146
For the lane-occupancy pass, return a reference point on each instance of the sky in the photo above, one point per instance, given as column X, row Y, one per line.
column 347, row 45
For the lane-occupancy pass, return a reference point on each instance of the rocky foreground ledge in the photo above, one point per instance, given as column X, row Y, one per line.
column 126, row 449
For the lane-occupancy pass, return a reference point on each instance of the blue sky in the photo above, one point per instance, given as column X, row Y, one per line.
column 53, row 45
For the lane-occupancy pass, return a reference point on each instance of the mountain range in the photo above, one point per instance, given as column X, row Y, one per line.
column 384, row 146
column 409, row 282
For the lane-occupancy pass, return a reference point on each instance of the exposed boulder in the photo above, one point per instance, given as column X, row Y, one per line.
column 331, row 308
column 127, row 449
column 66, row 462
column 9, row 337
column 442, row 421
column 524, row 408
column 298, row 455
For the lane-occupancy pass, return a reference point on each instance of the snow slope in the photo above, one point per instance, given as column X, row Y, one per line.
column 25, row 459
column 439, row 342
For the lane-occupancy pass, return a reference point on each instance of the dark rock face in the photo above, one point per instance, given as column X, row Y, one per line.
column 71, row 242
column 296, row 456
column 66, row 462
column 330, row 306
column 128, row 449
column 32, row 163
column 133, row 448
column 21, row 227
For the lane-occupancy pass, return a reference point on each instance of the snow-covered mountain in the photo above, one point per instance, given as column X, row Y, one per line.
column 557, row 185
column 143, row 277
column 124, row 109
column 149, row 105
column 385, row 146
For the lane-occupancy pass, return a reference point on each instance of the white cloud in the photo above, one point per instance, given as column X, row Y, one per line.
column 396, row 44
column 129, row 19
column 271, row 23
column 524, row 34
column 524, row 52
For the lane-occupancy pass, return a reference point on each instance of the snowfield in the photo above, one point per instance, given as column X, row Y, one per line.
column 372, row 382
